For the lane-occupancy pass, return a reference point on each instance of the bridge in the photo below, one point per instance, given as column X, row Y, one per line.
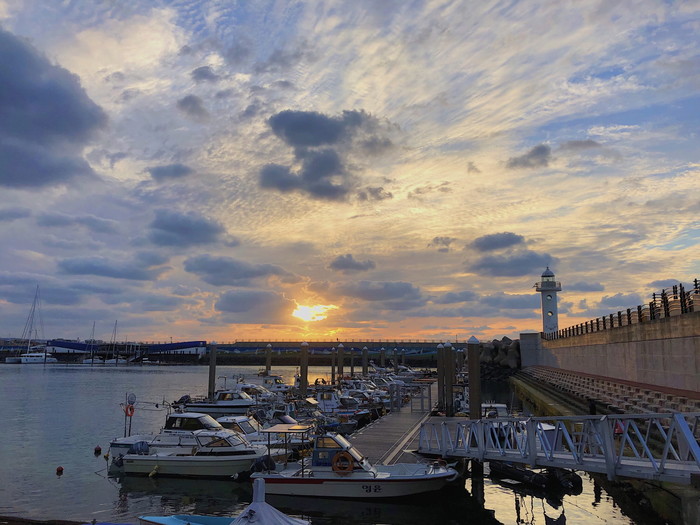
column 662, row 447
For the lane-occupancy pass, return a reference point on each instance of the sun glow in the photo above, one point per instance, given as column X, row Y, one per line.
column 313, row 313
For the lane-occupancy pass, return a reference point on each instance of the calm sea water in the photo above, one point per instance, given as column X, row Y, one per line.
column 55, row 415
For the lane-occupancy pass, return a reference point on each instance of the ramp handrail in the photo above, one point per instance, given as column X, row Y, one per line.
column 647, row 446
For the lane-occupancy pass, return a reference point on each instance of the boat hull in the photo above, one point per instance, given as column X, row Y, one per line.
column 216, row 410
column 338, row 486
column 186, row 466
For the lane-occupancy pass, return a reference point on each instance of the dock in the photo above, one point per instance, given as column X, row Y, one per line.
column 386, row 440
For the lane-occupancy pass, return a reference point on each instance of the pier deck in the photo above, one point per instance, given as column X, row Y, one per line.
column 385, row 440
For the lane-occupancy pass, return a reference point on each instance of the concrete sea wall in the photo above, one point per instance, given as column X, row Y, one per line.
column 663, row 352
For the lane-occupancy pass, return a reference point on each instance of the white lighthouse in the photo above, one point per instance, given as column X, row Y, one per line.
column 548, row 288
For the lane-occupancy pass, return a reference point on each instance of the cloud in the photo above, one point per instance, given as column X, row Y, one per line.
column 442, row 243
column 92, row 223
column 12, row 214
column 517, row 264
column 227, row 271
column 471, row 168
column 171, row 228
column 204, row 74
column 378, row 290
column 537, row 157
column 456, row 297
column 585, row 286
column 374, row 194
column 347, row 264
column 193, row 107
column 506, row 301
column 169, row 171
column 579, row 145
column 46, row 118
column 255, row 306
column 137, row 269
column 323, row 145
column 497, row 241
column 621, row 300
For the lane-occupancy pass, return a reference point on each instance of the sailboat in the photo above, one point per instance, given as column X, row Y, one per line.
column 116, row 358
column 93, row 359
column 35, row 354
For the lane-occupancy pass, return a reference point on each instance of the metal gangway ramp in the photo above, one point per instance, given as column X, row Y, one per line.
column 661, row 447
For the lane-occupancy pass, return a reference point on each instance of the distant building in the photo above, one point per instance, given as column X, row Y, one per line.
column 548, row 289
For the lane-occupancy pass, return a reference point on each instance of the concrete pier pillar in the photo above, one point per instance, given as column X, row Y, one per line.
column 365, row 361
column 212, row 370
column 474, row 365
column 341, row 360
column 334, row 357
column 268, row 359
column 440, row 377
column 449, row 366
column 304, row 369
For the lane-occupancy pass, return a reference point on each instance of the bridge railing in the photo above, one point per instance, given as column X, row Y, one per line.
column 650, row 446
column 672, row 301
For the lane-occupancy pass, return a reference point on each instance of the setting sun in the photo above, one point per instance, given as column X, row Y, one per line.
column 313, row 313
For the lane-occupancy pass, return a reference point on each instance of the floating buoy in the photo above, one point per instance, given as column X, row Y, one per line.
column 153, row 472
column 59, row 471
column 98, row 450
column 106, row 456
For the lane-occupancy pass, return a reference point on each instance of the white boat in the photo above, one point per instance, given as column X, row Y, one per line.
column 37, row 358
column 252, row 430
column 177, row 432
column 275, row 383
column 215, row 454
column 338, row 470
column 96, row 360
column 257, row 512
column 226, row 401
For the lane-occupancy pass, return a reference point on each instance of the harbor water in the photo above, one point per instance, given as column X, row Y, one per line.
column 56, row 415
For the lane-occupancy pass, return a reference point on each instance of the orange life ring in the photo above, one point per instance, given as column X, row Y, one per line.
column 343, row 462
column 129, row 410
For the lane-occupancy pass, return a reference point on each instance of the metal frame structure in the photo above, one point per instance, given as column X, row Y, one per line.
column 662, row 447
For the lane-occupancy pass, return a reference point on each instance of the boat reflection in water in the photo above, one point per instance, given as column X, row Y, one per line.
column 189, row 496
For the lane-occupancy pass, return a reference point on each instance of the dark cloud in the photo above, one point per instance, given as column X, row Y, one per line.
column 497, row 241
column 224, row 93
column 585, row 286
column 309, row 128
column 374, row 194
column 621, row 300
column 379, row 290
column 204, row 74
column 514, row 264
column 193, row 107
column 318, row 175
column 537, row 157
column 348, row 264
column 171, row 228
column 578, row 145
column 92, row 223
column 506, row 301
column 169, row 171
column 255, row 306
column 322, row 146
column 665, row 283
column 442, row 243
column 108, row 267
column 227, row 271
column 46, row 119
column 471, row 168
column 12, row 214
column 456, row 297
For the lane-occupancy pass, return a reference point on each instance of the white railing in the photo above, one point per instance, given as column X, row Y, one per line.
column 650, row 446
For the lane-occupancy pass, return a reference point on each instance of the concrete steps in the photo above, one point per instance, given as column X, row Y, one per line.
column 614, row 396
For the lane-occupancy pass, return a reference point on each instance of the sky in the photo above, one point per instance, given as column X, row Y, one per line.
column 388, row 170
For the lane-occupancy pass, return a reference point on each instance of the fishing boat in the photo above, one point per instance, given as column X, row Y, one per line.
column 257, row 512
column 337, row 469
column 215, row 454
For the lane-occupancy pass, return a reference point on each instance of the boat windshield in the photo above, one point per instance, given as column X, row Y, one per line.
column 180, row 422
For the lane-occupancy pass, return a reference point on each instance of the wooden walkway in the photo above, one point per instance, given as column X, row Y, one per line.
column 385, row 440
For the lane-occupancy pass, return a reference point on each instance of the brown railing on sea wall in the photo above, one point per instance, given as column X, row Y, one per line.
column 670, row 302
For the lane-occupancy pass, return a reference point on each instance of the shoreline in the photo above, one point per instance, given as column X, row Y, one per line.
column 15, row 520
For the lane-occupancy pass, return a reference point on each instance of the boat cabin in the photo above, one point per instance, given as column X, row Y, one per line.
column 189, row 422
column 329, row 447
column 275, row 384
